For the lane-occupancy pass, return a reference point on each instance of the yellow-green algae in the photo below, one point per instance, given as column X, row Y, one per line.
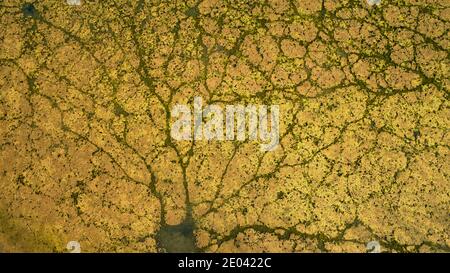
column 86, row 155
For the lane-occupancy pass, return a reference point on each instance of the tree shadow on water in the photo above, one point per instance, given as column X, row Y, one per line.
column 179, row 238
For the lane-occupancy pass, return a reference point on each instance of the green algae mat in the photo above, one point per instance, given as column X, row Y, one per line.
column 143, row 126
